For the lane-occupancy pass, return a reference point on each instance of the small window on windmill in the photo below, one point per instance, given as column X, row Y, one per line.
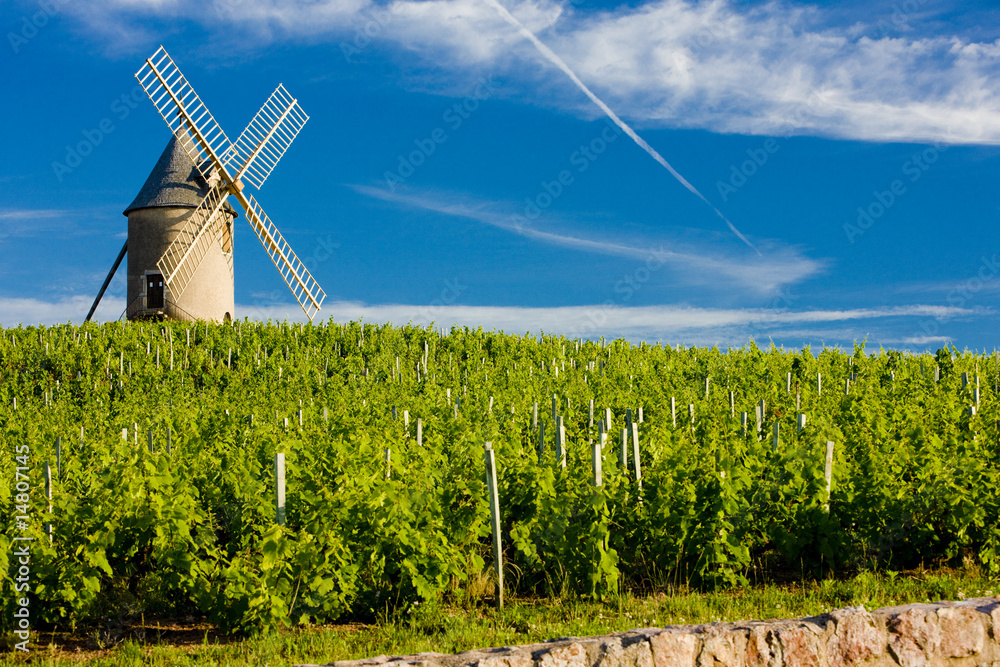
column 154, row 290
column 227, row 238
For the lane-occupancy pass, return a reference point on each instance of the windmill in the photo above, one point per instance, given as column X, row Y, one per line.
column 180, row 225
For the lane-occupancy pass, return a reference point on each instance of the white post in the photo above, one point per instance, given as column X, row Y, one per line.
column 48, row 497
column 635, row 454
column 623, row 450
column 596, row 454
column 494, row 500
column 743, row 424
column 802, row 422
column 819, row 384
column 420, row 431
column 560, row 442
column 775, row 441
column 788, row 383
column 673, row 411
column 279, row 488
column 388, row 462
column 732, row 404
column 828, row 472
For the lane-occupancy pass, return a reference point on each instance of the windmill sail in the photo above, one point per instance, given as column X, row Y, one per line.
column 266, row 138
column 202, row 228
column 295, row 274
column 188, row 118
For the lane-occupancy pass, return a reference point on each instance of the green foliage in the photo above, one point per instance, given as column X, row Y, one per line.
column 193, row 529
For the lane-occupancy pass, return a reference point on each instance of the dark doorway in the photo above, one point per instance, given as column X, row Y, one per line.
column 154, row 291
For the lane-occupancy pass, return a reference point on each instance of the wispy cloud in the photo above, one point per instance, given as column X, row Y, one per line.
column 780, row 266
column 676, row 323
column 15, row 311
column 669, row 323
column 772, row 69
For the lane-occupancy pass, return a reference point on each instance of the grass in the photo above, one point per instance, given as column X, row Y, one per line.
column 449, row 629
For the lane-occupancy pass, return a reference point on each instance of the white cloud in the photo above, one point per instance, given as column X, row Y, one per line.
column 16, row 311
column 779, row 266
column 773, row 69
column 677, row 323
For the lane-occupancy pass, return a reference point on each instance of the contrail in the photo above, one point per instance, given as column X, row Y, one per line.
column 551, row 56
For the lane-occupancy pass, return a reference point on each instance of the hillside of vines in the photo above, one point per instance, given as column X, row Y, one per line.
column 161, row 441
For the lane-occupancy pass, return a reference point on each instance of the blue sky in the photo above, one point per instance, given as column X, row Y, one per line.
column 453, row 171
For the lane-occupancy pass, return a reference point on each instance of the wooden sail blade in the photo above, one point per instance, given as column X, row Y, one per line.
column 304, row 287
column 266, row 138
column 187, row 251
column 184, row 112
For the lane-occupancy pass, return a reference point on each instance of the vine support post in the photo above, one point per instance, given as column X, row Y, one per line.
column 48, row 497
column 420, row 431
column 635, row 455
column 279, row 488
column 673, row 411
column 828, row 472
column 494, row 499
column 774, row 444
column 597, row 454
column 541, row 440
column 561, row 442
column 623, row 451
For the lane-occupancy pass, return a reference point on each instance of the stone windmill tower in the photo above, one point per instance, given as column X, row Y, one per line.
column 180, row 225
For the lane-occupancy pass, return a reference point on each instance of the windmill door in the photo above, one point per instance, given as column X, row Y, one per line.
column 154, row 291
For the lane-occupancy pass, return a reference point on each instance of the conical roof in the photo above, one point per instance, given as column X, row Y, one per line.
column 173, row 183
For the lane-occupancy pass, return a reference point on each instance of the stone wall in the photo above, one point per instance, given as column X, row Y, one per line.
column 956, row 634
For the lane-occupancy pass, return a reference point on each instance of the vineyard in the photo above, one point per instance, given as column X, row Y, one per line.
column 140, row 458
